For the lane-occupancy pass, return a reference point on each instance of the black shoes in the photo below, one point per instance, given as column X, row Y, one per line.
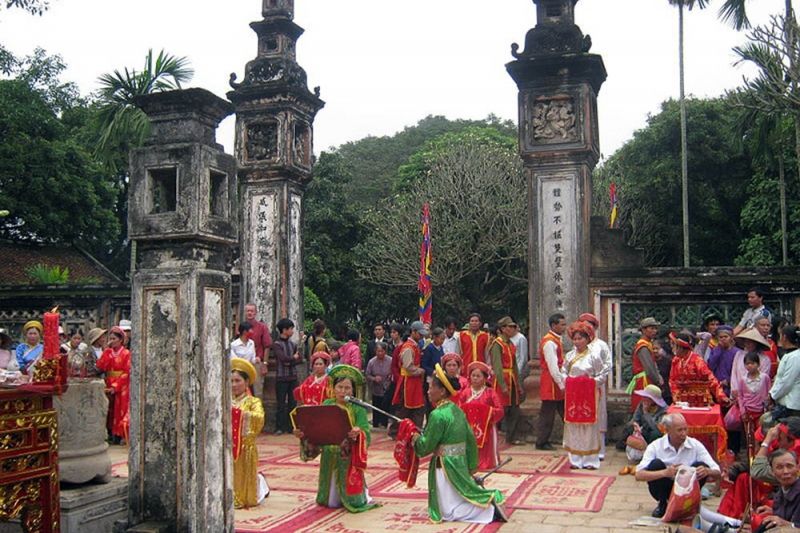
column 660, row 509
column 545, row 447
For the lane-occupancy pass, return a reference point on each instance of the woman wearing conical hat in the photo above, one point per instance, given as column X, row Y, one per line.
column 247, row 417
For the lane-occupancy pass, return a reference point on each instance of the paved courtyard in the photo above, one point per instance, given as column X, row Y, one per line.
column 625, row 501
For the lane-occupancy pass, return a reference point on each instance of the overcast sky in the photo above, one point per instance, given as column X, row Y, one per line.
column 384, row 64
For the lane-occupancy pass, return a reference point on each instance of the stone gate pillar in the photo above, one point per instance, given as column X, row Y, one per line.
column 558, row 82
column 183, row 215
column 274, row 118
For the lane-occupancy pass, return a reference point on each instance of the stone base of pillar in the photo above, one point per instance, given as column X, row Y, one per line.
column 82, row 447
column 88, row 508
column 93, row 508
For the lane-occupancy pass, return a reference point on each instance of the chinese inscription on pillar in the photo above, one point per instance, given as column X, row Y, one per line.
column 558, row 240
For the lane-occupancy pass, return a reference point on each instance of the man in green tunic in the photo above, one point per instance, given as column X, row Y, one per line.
column 453, row 494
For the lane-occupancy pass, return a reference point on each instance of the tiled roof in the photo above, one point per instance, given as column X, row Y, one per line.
column 16, row 258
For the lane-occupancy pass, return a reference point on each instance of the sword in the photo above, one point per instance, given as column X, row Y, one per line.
column 366, row 405
column 480, row 479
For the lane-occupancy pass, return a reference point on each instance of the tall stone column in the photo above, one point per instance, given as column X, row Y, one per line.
column 558, row 82
column 274, row 123
column 183, row 215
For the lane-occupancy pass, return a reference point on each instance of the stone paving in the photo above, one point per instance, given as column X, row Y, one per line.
column 626, row 500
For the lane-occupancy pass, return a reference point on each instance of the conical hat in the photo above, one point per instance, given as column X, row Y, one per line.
column 753, row 335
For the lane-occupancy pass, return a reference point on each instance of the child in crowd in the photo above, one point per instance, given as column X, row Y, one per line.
column 754, row 390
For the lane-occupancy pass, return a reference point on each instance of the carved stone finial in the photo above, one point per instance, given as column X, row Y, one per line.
column 555, row 32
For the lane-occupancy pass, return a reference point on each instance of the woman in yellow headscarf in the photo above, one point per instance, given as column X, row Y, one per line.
column 29, row 352
column 247, row 415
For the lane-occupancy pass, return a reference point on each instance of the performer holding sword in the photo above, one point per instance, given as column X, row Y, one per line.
column 453, row 494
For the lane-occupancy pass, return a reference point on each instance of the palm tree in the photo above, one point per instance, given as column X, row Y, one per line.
column 767, row 132
column 122, row 125
column 773, row 94
column 735, row 12
column 684, row 156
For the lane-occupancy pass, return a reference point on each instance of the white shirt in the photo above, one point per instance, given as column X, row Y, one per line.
column 603, row 350
column 691, row 451
column 451, row 344
column 550, row 350
column 750, row 316
column 521, row 343
column 245, row 351
column 786, row 389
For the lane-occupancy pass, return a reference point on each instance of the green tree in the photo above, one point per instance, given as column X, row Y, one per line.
column 373, row 161
column 647, row 174
column 473, row 181
column 331, row 229
column 772, row 96
column 49, row 180
column 684, row 148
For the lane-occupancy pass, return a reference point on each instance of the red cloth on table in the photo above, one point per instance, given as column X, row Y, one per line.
column 404, row 455
column 705, row 422
column 580, row 400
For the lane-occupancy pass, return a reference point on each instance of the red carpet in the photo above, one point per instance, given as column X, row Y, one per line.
column 532, row 481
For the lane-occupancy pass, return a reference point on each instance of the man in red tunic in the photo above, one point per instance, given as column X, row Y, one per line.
column 645, row 370
column 551, row 382
column 473, row 343
column 259, row 332
column 689, row 367
column 503, row 356
column 408, row 396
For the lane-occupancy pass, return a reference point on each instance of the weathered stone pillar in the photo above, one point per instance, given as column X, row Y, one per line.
column 183, row 215
column 274, row 117
column 558, row 83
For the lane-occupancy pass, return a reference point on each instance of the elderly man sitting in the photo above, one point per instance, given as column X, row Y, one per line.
column 663, row 456
column 785, row 511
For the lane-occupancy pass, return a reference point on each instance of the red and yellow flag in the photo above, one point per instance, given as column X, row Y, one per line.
column 612, row 192
column 425, row 259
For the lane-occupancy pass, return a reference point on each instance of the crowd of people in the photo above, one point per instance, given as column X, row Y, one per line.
column 455, row 392
column 100, row 354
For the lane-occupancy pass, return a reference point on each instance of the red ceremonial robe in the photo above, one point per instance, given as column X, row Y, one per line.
column 311, row 391
column 473, row 348
column 639, row 376
column 409, row 388
column 508, row 361
column 548, row 390
column 117, row 366
column 693, row 368
column 484, row 410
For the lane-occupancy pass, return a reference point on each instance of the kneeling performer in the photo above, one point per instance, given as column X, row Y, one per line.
column 453, row 494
